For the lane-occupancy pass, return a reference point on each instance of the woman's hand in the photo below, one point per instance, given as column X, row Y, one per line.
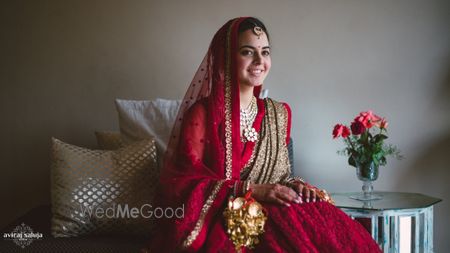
column 305, row 192
column 275, row 193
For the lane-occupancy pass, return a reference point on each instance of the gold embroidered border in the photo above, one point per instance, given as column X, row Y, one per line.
column 198, row 226
column 228, row 126
column 271, row 163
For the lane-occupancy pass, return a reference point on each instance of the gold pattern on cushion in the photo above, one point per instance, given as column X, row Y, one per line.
column 109, row 140
column 100, row 192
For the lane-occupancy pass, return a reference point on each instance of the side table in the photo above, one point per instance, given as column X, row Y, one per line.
column 385, row 216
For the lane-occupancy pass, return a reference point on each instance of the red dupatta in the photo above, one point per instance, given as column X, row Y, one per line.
column 203, row 158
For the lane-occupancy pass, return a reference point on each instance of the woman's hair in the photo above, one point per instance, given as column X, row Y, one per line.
column 250, row 23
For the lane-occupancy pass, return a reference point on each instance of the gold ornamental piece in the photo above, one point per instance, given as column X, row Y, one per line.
column 245, row 219
column 258, row 31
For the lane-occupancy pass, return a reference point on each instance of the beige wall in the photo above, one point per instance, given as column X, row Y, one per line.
column 64, row 62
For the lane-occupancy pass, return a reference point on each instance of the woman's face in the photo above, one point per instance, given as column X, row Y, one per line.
column 253, row 59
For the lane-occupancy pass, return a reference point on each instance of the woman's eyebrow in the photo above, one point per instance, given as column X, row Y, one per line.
column 252, row 47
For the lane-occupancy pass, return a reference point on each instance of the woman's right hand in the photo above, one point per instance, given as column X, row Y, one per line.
column 275, row 193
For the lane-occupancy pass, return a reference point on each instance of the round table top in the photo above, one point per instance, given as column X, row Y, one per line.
column 388, row 201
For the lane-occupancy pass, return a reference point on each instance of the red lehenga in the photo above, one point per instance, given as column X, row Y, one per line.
column 205, row 158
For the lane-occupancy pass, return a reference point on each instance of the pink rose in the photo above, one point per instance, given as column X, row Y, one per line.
column 357, row 128
column 384, row 124
column 340, row 130
column 368, row 119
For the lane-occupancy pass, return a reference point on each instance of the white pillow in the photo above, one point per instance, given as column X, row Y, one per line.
column 143, row 119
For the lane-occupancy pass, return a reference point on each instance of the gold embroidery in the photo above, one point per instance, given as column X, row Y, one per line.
column 228, row 126
column 271, row 163
column 198, row 226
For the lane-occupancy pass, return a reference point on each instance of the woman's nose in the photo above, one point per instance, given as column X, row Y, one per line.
column 257, row 58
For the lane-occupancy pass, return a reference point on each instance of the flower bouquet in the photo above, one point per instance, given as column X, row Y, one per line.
column 366, row 149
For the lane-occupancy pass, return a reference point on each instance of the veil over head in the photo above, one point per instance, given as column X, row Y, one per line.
column 202, row 161
column 216, row 84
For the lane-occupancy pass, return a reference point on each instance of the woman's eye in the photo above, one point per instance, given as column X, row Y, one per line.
column 246, row 52
column 266, row 53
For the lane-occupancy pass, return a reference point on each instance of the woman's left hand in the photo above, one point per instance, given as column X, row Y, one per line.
column 306, row 193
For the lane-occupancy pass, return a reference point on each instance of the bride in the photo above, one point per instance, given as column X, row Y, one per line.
column 228, row 142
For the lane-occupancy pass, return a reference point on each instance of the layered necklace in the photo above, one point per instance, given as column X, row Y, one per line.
column 248, row 116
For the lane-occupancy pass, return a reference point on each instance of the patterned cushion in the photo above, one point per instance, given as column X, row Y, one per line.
column 102, row 192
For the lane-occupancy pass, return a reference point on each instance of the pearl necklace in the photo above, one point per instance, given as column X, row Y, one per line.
column 247, row 118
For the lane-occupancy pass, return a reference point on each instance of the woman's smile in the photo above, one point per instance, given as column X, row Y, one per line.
column 253, row 59
column 256, row 72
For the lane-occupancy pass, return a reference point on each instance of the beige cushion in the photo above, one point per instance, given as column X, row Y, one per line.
column 84, row 182
column 109, row 140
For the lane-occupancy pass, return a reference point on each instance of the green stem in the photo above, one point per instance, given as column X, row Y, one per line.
column 351, row 143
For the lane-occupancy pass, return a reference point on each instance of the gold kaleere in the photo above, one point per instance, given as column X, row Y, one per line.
column 245, row 219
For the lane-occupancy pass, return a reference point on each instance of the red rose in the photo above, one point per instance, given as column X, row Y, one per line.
column 345, row 132
column 340, row 130
column 337, row 131
column 357, row 128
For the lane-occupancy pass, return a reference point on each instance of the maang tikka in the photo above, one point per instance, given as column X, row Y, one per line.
column 258, row 31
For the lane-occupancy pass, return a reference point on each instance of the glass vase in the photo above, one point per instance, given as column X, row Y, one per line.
column 367, row 173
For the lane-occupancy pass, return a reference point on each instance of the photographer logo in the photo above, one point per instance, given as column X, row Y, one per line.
column 22, row 235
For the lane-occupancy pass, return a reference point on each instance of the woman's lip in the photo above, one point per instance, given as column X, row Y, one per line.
column 256, row 71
